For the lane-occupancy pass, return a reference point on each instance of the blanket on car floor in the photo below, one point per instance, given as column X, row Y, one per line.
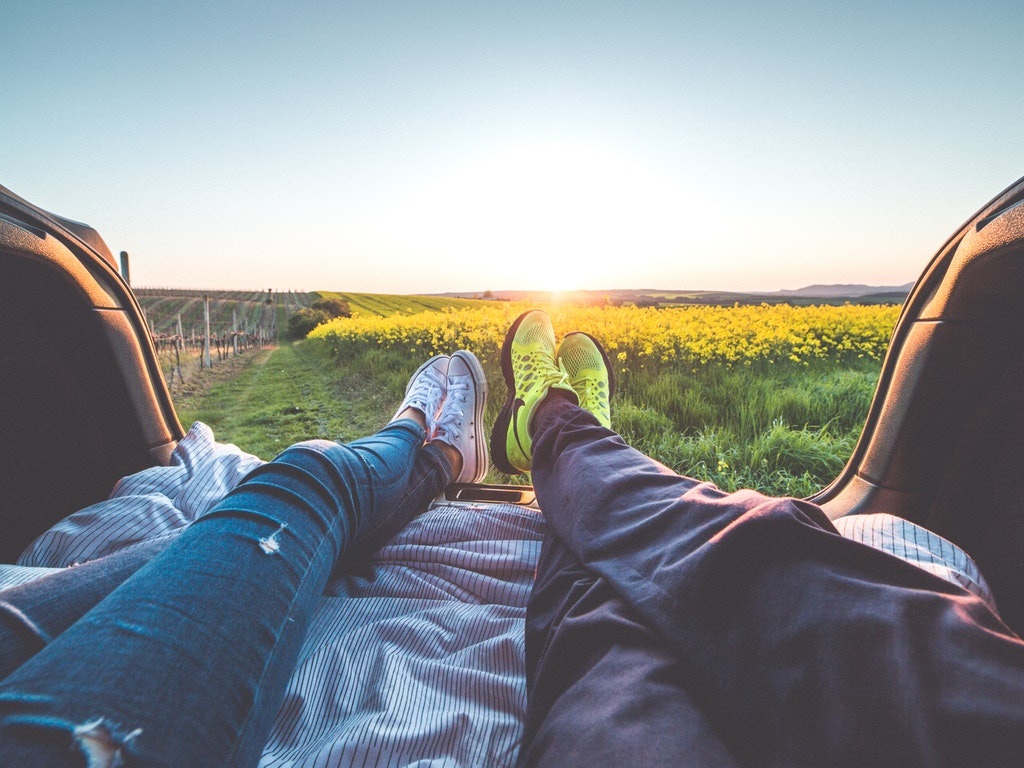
column 415, row 657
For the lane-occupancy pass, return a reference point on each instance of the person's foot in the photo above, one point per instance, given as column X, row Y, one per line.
column 426, row 390
column 530, row 371
column 460, row 422
column 583, row 358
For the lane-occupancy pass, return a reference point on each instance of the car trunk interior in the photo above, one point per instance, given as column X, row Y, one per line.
column 81, row 406
column 944, row 440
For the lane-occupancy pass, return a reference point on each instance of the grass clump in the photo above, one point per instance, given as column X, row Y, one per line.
column 781, row 431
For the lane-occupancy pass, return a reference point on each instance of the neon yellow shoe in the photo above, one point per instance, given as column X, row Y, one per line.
column 528, row 364
column 583, row 359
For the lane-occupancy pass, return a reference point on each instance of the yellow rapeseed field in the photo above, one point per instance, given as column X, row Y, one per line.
column 648, row 338
column 770, row 397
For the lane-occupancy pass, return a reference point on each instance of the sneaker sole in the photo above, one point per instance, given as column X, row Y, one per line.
column 499, row 435
column 480, row 382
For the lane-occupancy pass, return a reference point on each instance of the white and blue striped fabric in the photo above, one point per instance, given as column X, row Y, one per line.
column 419, row 659
column 149, row 504
column 919, row 546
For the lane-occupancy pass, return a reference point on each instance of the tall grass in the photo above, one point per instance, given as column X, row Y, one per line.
column 782, row 430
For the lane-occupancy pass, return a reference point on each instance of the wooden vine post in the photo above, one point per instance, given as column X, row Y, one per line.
column 207, row 362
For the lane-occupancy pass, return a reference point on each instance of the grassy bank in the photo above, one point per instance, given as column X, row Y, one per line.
column 779, row 430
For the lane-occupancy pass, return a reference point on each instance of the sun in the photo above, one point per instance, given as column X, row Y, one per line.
column 564, row 216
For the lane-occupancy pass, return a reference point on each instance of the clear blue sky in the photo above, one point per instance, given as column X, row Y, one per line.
column 426, row 147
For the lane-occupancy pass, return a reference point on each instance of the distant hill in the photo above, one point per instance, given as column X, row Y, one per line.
column 811, row 294
column 847, row 290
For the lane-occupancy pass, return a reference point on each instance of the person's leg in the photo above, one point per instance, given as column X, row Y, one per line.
column 34, row 613
column 322, row 497
column 602, row 687
column 455, row 451
column 185, row 662
column 800, row 646
column 431, row 473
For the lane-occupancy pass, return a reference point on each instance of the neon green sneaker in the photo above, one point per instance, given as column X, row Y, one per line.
column 583, row 359
column 528, row 364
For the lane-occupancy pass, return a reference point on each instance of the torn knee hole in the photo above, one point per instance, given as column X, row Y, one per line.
column 271, row 545
column 101, row 746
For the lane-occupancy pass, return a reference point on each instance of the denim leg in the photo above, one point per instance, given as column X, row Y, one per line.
column 801, row 647
column 431, row 474
column 185, row 663
column 34, row 613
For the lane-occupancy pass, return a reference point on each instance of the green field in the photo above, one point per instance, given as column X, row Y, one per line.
column 384, row 305
column 784, row 432
column 782, row 428
column 280, row 396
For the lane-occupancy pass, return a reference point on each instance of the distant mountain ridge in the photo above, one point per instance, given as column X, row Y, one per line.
column 845, row 289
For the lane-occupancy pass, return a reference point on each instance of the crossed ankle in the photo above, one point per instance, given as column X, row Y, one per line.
column 414, row 414
column 451, row 455
column 553, row 402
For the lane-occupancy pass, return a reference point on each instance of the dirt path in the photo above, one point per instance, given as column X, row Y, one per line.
column 266, row 401
column 189, row 395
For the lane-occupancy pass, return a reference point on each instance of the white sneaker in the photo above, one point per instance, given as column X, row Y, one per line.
column 426, row 390
column 461, row 421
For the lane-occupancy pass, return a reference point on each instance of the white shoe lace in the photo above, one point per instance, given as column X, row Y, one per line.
column 426, row 395
column 449, row 422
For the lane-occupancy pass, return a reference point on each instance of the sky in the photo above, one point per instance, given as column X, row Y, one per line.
column 425, row 147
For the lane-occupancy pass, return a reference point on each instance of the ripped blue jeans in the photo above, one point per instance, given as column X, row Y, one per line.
column 186, row 661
